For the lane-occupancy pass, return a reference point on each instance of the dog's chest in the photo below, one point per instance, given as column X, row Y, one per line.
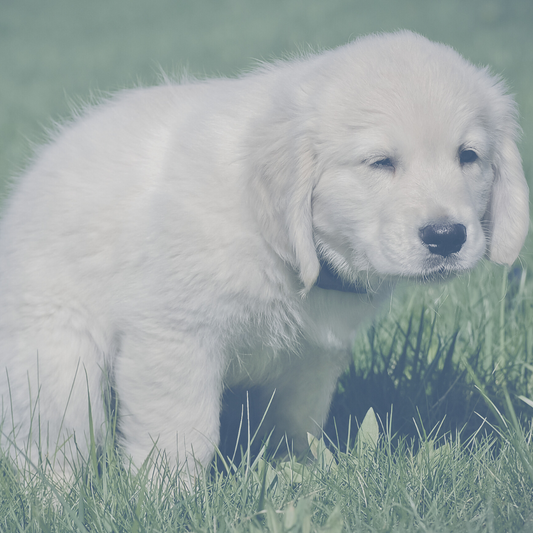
column 326, row 322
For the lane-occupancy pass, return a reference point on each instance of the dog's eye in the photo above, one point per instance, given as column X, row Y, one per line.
column 467, row 156
column 385, row 163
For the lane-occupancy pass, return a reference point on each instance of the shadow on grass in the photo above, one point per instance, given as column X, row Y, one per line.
column 414, row 379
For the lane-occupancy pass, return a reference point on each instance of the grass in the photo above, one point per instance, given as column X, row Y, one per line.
column 444, row 376
column 426, row 359
column 480, row 484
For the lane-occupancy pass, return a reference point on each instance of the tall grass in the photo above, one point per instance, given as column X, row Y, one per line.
column 481, row 484
column 426, row 358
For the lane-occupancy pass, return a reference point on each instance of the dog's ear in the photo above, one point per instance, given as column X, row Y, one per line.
column 509, row 205
column 282, row 183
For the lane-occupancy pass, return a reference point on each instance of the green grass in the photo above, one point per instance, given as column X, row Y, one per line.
column 447, row 484
column 447, row 368
column 424, row 357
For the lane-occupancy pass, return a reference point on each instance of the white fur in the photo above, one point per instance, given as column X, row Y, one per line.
column 169, row 236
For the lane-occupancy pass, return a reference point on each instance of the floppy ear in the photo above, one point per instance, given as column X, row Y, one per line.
column 283, row 178
column 509, row 205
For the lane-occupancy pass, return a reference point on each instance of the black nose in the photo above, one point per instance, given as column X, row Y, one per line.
column 443, row 239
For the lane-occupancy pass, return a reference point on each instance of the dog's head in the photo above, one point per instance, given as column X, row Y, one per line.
column 401, row 160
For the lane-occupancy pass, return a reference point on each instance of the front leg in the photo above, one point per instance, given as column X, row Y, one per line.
column 301, row 397
column 169, row 389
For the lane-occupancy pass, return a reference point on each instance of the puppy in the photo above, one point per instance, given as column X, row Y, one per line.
column 188, row 238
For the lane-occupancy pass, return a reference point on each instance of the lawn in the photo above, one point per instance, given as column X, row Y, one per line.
column 444, row 376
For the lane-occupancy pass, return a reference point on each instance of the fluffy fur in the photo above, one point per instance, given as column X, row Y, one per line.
column 171, row 239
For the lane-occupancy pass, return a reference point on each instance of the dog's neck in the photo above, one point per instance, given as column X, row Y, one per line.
column 328, row 279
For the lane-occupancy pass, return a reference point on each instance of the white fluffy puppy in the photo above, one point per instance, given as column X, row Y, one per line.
column 187, row 238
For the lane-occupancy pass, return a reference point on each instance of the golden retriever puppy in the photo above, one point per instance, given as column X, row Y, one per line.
column 187, row 238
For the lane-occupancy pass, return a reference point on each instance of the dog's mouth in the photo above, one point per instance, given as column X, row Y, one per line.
column 433, row 276
column 440, row 270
